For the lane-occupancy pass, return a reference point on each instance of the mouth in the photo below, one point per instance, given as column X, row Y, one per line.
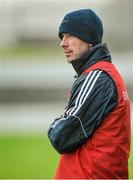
column 67, row 53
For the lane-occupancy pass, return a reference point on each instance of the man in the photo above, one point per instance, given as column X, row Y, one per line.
column 93, row 134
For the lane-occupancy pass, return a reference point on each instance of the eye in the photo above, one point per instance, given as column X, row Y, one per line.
column 61, row 36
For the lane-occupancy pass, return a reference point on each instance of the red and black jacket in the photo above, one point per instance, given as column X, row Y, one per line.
column 94, row 132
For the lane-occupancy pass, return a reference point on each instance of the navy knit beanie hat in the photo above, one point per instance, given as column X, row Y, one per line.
column 84, row 24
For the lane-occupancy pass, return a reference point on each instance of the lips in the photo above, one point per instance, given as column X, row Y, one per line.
column 67, row 52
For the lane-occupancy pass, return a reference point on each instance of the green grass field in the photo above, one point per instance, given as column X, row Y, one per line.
column 30, row 52
column 26, row 156
column 31, row 157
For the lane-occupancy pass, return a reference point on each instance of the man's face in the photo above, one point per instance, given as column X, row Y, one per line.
column 73, row 47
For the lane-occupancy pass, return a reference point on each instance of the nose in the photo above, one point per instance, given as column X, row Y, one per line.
column 63, row 42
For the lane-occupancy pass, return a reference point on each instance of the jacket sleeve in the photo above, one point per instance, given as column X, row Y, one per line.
column 93, row 96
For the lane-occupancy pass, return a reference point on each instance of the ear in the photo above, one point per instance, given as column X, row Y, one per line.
column 90, row 45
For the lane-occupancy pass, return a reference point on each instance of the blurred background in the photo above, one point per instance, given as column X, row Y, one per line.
column 35, row 78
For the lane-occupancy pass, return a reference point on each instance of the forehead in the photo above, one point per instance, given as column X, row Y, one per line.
column 66, row 34
column 73, row 38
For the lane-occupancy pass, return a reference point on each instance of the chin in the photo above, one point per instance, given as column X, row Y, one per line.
column 69, row 60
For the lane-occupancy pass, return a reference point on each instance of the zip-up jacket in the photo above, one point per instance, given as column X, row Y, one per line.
column 95, row 129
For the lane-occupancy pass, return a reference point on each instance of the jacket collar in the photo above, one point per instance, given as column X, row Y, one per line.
column 97, row 53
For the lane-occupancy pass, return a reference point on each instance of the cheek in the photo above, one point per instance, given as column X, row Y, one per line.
column 83, row 47
column 76, row 47
column 79, row 49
